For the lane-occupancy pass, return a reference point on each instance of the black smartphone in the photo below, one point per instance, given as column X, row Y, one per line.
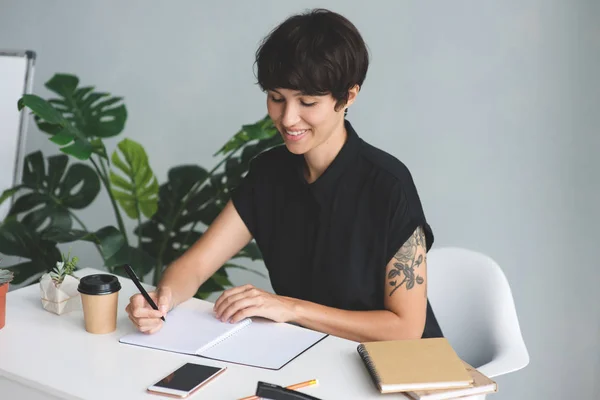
column 185, row 380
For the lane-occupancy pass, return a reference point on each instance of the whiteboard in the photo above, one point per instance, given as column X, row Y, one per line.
column 16, row 79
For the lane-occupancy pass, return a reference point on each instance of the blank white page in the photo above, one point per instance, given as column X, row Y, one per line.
column 186, row 331
column 265, row 344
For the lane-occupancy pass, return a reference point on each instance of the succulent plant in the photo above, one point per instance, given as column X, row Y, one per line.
column 5, row 276
column 63, row 268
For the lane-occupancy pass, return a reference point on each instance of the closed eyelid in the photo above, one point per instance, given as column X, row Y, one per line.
column 304, row 102
column 277, row 99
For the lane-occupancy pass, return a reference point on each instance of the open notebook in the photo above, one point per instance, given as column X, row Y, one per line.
column 255, row 342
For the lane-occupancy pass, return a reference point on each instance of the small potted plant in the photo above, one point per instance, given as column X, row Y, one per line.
column 58, row 288
column 6, row 277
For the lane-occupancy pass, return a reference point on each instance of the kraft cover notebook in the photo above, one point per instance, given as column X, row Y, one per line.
column 481, row 385
column 411, row 365
column 255, row 342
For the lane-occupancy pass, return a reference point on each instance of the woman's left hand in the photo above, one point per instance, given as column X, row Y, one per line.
column 246, row 301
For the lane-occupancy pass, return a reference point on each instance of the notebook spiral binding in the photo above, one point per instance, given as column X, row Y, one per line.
column 221, row 338
column 369, row 364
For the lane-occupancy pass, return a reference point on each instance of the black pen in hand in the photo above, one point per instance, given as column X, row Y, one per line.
column 136, row 280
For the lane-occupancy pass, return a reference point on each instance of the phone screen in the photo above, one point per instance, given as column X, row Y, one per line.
column 187, row 377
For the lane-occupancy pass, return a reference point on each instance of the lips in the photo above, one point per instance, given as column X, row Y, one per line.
column 296, row 134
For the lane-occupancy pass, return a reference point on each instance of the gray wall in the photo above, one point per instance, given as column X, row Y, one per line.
column 492, row 105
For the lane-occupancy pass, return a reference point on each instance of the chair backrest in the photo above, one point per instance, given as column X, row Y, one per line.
column 473, row 303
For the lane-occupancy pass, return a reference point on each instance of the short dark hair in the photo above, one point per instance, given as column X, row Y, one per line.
column 317, row 52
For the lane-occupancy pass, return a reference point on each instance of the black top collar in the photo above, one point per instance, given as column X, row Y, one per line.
column 326, row 183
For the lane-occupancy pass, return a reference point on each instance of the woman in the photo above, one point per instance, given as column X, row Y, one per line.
column 339, row 222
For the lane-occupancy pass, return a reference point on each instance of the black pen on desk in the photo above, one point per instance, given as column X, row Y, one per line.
column 137, row 282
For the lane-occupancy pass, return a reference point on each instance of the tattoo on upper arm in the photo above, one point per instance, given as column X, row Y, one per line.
column 406, row 261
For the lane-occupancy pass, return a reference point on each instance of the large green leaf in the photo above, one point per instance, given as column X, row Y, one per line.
column 43, row 110
column 63, row 132
column 216, row 283
column 95, row 114
column 236, row 266
column 140, row 261
column 48, row 194
column 113, row 248
column 26, row 270
column 109, row 238
column 8, row 193
column 168, row 233
column 65, row 236
column 220, row 280
column 78, row 117
column 236, row 167
column 250, row 251
column 138, row 194
column 234, row 171
column 264, row 131
column 17, row 239
column 111, row 241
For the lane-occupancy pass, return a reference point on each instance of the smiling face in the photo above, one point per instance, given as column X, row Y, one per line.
column 306, row 122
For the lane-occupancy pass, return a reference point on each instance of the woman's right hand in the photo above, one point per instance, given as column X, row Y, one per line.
column 143, row 316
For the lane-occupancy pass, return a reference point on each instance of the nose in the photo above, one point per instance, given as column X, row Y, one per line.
column 290, row 115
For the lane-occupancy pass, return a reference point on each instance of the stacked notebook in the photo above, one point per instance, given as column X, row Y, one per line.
column 423, row 369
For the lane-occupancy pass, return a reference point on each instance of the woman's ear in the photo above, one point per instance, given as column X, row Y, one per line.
column 352, row 93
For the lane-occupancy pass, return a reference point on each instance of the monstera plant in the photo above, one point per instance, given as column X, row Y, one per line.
column 170, row 217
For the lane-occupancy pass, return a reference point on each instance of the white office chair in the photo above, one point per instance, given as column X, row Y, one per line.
column 473, row 303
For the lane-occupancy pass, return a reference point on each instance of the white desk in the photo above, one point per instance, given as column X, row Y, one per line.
column 54, row 354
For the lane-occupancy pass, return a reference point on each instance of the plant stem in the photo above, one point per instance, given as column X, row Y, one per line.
column 138, row 209
column 104, row 179
column 139, row 234
column 187, row 235
column 85, row 229
column 139, row 216
column 157, row 272
column 104, row 168
column 78, row 221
